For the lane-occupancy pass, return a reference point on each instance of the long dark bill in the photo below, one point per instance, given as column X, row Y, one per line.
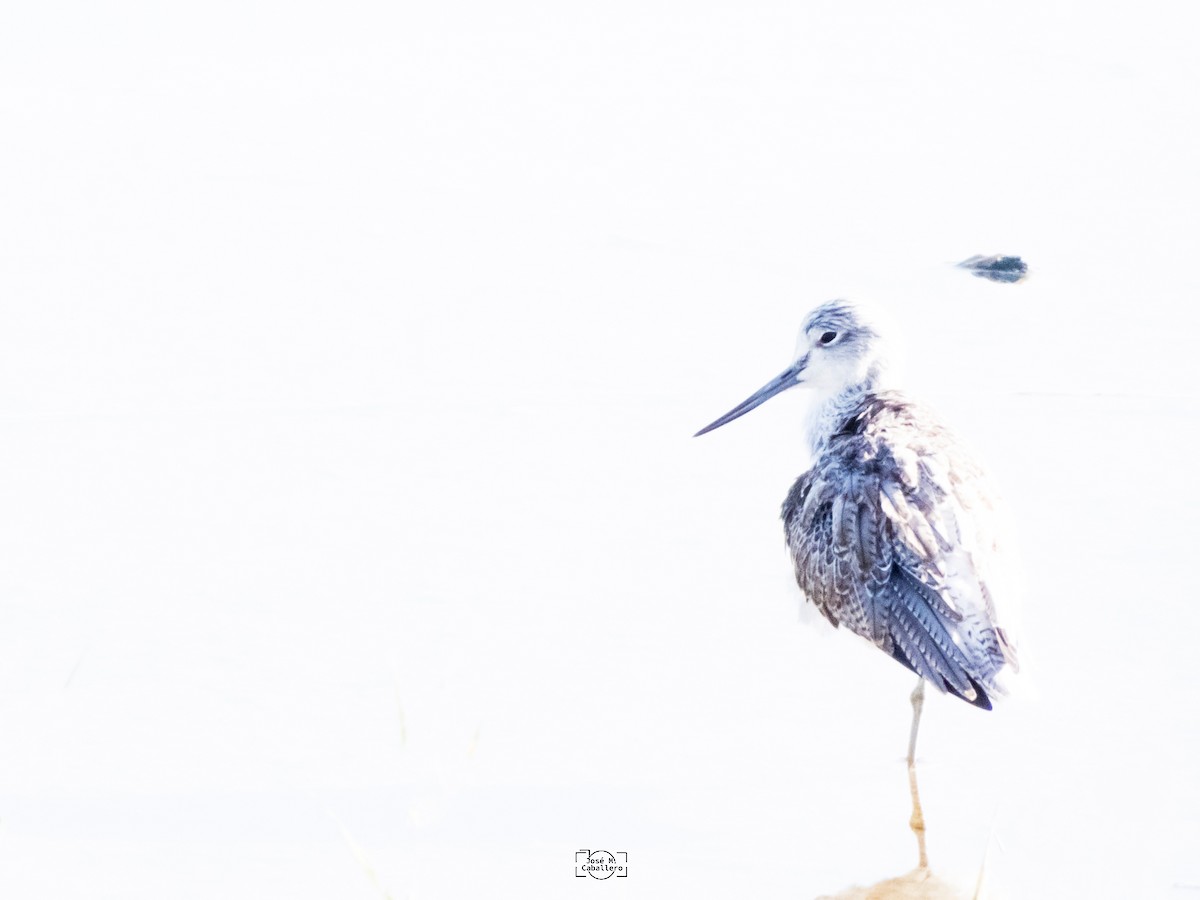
column 786, row 379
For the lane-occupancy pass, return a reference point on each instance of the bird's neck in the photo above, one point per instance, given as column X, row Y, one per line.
column 829, row 414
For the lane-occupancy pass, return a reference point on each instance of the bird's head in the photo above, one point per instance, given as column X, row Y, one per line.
column 839, row 347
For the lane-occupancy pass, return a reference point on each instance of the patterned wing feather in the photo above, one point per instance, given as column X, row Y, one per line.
column 882, row 533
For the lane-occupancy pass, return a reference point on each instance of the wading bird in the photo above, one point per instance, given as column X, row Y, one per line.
column 891, row 530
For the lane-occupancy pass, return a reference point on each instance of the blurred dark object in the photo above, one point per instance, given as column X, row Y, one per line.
column 1005, row 269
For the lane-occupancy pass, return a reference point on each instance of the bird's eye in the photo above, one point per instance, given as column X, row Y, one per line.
column 828, row 338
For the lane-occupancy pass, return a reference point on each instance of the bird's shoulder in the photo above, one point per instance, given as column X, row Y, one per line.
column 891, row 484
column 888, row 438
column 886, row 423
column 885, row 436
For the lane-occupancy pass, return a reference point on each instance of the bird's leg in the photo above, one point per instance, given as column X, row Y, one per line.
column 917, row 822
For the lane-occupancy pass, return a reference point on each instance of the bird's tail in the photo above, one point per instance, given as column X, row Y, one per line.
column 921, row 640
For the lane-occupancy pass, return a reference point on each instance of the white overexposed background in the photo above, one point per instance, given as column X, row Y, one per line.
column 353, row 541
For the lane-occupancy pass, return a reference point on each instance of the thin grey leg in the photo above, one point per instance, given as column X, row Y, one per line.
column 917, row 822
